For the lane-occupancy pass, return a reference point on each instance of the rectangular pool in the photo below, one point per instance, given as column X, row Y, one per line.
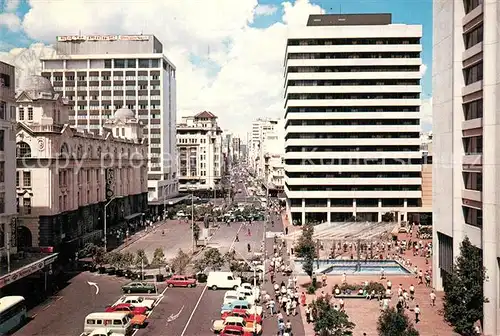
column 353, row 267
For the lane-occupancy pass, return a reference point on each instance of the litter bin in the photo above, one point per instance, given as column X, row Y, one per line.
column 160, row 278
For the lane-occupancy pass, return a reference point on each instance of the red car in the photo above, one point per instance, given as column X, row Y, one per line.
column 231, row 330
column 244, row 314
column 127, row 307
column 181, row 281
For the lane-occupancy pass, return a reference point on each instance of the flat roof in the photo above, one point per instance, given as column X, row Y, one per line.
column 349, row 19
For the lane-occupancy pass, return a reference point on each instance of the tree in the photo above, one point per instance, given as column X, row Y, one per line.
column 393, row 323
column 213, row 259
column 306, row 248
column 112, row 258
column 98, row 255
column 141, row 258
column 128, row 259
column 158, row 257
column 463, row 299
column 330, row 321
column 180, row 262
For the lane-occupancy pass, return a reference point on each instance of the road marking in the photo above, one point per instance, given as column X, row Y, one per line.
column 194, row 310
column 163, row 293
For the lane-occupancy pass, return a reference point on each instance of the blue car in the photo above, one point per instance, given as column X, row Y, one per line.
column 241, row 304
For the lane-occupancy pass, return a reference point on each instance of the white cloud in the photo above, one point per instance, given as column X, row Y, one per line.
column 423, row 69
column 11, row 5
column 250, row 81
column 265, row 10
column 426, row 114
column 11, row 21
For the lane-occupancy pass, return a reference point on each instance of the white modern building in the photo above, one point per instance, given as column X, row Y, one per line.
column 352, row 132
column 70, row 182
column 8, row 211
column 199, row 143
column 101, row 74
column 466, row 132
column 260, row 128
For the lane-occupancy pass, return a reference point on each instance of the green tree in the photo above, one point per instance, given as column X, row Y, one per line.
column 112, row 258
column 128, row 259
column 463, row 299
column 213, row 259
column 306, row 248
column 158, row 257
column 393, row 323
column 141, row 258
column 329, row 321
column 180, row 262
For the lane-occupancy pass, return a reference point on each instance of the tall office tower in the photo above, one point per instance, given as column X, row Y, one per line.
column 352, row 146
column 466, row 117
column 260, row 128
column 101, row 74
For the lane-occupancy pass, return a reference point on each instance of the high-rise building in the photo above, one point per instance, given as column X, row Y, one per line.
column 8, row 196
column 352, row 132
column 465, row 101
column 101, row 74
column 260, row 128
column 199, row 143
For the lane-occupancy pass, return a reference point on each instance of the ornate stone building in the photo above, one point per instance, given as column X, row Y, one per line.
column 67, row 177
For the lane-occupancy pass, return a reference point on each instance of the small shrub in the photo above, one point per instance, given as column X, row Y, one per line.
column 352, row 287
column 314, row 282
column 311, row 289
column 376, row 286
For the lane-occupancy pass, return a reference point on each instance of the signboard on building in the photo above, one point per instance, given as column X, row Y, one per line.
column 96, row 38
column 26, row 270
column 110, row 183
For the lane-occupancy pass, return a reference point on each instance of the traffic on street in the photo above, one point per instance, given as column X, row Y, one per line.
column 181, row 305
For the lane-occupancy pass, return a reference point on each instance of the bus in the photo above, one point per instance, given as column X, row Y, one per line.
column 12, row 313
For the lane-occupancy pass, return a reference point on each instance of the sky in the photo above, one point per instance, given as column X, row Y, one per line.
column 228, row 53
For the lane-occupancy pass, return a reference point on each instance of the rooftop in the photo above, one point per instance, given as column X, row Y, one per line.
column 348, row 231
column 349, row 19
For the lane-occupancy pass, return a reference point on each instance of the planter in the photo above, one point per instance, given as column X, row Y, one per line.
column 201, row 277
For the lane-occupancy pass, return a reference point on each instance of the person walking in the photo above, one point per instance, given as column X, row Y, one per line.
column 417, row 314
column 432, row 295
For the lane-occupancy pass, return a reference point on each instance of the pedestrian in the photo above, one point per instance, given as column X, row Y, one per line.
column 307, row 311
column 249, row 249
column 248, row 232
column 417, row 314
column 412, row 292
column 294, row 308
column 237, row 239
column 432, row 295
column 288, row 326
column 303, row 299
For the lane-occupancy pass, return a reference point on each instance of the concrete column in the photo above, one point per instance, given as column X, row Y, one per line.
column 437, row 280
column 328, row 213
column 303, row 217
column 379, row 216
column 491, row 164
column 355, row 207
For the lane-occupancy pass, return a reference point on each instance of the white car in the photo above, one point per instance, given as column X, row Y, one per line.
column 250, row 287
column 137, row 301
column 231, row 296
column 247, row 295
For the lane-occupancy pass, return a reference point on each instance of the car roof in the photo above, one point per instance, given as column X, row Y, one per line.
column 235, row 319
column 240, row 302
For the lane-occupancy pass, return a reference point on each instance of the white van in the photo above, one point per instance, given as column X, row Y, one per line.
column 225, row 280
column 118, row 322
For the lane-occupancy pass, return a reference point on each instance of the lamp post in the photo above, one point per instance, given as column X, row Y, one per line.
column 193, row 242
column 264, row 233
column 106, row 222
column 164, row 202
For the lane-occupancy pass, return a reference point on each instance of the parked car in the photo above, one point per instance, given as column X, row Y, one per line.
column 139, row 287
column 244, row 314
column 242, row 304
column 181, row 281
column 127, row 307
column 233, row 331
column 138, row 301
column 249, row 327
column 231, row 296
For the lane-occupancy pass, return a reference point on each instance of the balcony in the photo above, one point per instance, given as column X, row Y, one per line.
column 473, row 159
column 472, row 124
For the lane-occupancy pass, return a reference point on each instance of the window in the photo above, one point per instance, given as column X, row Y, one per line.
column 119, row 64
column 143, row 63
column 30, row 113
column 473, row 216
column 131, row 63
column 155, row 63
column 27, row 206
column 473, row 74
column 17, row 179
column 4, row 80
column 21, row 113
column 2, row 172
column 473, row 110
column 27, row 179
column 473, row 37
column 3, row 110
column 2, row 140
column 470, row 5
column 23, row 149
column 107, row 64
column 2, row 202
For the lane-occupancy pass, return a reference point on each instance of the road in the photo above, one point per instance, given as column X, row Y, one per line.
column 181, row 312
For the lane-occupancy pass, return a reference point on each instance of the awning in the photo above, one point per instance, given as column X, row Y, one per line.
column 170, row 201
column 132, row 216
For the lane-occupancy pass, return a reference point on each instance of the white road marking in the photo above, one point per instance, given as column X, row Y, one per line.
column 194, row 310
column 162, row 295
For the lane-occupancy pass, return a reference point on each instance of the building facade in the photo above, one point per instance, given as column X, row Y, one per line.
column 66, row 177
column 101, row 74
column 466, row 96
column 260, row 128
column 8, row 211
column 352, row 132
column 199, row 144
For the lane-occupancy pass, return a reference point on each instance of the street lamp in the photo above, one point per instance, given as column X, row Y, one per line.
column 164, row 202
column 106, row 222
column 193, row 246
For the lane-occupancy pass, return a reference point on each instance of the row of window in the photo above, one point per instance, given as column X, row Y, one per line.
column 361, row 202
column 351, row 55
column 341, row 175
column 353, row 41
column 305, row 96
column 4, row 113
column 117, row 106
column 327, row 149
column 327, row 109
column 131, row 63
column 355, row 135
column 353, row 161
column 351, row 122
column 350, row 187
column 353, row 82
column 349, row 68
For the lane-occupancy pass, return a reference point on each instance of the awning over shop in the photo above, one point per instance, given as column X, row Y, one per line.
column 170, row 201
column 134, row 215
column 28, row 269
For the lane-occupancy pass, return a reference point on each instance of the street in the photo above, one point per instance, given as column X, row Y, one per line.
column 181, row 311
